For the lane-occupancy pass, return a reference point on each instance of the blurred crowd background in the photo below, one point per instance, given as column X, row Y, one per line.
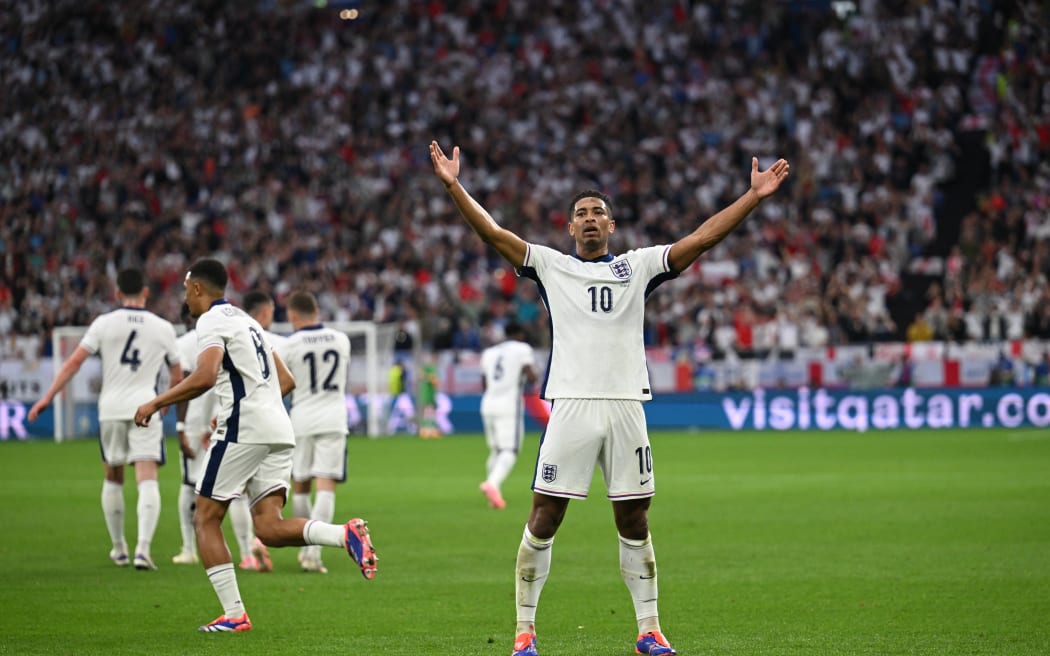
column 290, row 140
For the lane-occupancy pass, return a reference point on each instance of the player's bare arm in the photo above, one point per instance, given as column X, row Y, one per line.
column 506, row 243
column 180, row 419
column 68, row 370
column 763, row 183
column 200, row 381
column 284, row 376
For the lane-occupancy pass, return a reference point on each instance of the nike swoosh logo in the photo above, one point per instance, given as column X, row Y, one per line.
column 528, row 580
column 645, row 481
column 648, row 577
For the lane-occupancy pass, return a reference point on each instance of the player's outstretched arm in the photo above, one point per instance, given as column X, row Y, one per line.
column 763, row 183
column 68, row 370
column 506, row 243
column 200, row 381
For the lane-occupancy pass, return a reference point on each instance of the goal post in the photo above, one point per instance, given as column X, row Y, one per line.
column 371, row 357
column 64, row 340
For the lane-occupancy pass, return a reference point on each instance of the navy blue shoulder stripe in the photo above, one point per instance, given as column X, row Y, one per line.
column 659, row 280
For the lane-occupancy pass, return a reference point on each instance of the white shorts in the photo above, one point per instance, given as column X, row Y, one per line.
column 584, row 432
column 503, row 432
column 123, row 442
column 191, row 468
column 257, row 470
column 320, row 456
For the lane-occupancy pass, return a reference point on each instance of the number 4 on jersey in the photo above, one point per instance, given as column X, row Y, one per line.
column 130, row 356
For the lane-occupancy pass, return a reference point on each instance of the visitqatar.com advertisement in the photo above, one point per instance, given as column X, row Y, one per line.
column 800, row 408
column 825, row 409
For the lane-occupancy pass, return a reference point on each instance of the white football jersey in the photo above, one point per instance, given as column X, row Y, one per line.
column 276, row 341
column 597, row 313
column 199, row 411
column 250, row 408
column 134, row 345
column 503, row 367
column 319, row 358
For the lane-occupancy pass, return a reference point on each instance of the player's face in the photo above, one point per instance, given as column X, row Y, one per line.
column 194, row 297
column 591, row 224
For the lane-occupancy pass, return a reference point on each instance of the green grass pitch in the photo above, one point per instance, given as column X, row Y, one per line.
column 909, row 542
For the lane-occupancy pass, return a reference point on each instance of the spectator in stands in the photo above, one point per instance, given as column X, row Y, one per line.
column 919, row 330
column 293, row 167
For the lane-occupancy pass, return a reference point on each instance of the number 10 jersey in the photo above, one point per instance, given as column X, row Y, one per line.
column 597, row 313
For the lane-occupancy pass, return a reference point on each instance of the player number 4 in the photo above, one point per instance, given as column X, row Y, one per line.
column 130, row 356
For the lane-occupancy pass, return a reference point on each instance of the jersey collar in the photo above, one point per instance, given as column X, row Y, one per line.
column 219, row 301
column 316, row 326
column 608, row 257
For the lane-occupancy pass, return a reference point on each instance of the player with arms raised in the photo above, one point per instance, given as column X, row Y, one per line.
column 597, row 379
column 134, row 345
column 251, row 447
column 319, row 358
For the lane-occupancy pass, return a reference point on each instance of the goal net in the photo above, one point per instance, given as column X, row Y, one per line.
column 372, row 356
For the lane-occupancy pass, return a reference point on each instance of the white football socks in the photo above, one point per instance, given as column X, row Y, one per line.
column 301, row 506
column 324, row 506
column 113, row 512
column 243, row 529
column 187, row 497
column 638, row 567
column 501, row 466
column 224, row 581
column 530, row 573
column 329, row 535
column 323, row 510
column 148, row 510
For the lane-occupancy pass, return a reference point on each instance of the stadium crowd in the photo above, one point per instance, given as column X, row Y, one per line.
column 292, row 144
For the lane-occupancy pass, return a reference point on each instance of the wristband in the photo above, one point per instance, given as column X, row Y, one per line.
column 180, row 426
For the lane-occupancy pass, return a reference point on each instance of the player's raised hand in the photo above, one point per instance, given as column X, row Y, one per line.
column 447, row 170
column 766, row 182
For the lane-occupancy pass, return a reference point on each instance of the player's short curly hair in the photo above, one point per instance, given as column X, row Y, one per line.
column 211, row 272
column 589, row 193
